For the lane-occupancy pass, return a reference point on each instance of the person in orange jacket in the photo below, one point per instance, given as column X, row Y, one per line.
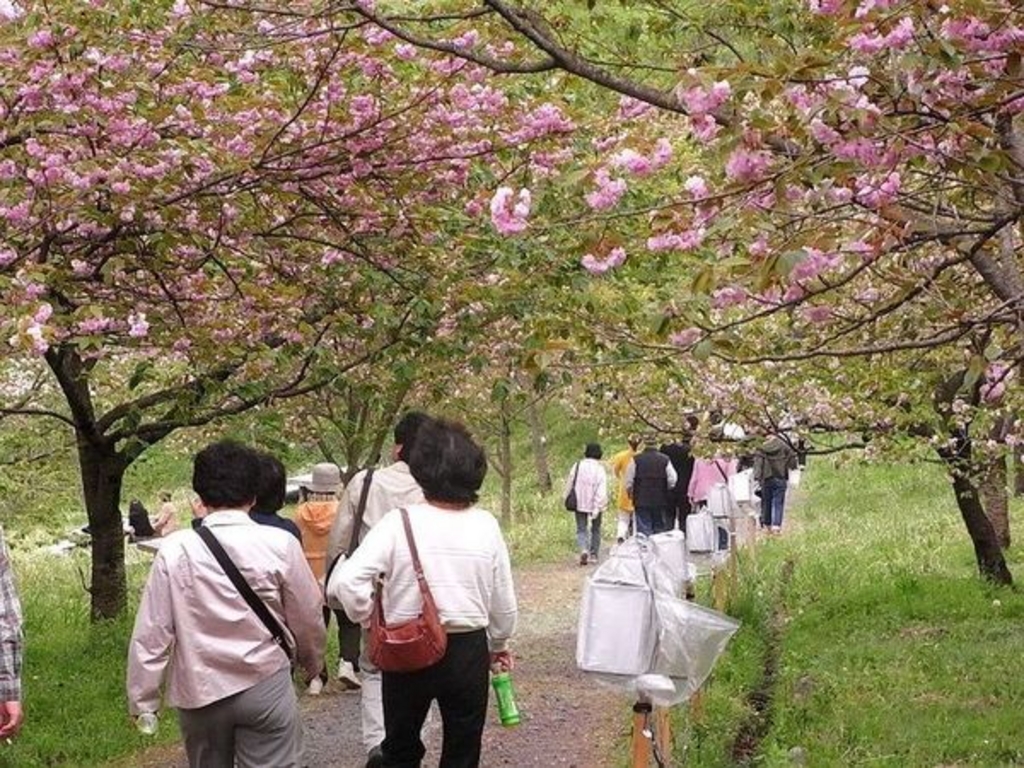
column 318, row 506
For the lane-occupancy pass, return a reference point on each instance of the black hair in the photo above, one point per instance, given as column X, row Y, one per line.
column 448, row 465
column 405, row 432
column 593, row 451
column 226, row 474
column 272, row 485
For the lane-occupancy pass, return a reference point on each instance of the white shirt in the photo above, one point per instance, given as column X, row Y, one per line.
column 591, row 486
column 193, row 621
column 465, row 562
column 390, row 487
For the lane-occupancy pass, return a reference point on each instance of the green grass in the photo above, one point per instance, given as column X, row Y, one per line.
column 893, row 651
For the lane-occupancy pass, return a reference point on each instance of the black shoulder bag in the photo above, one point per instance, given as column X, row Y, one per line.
column 571, row 502
column 254, row 601
column 357, row 525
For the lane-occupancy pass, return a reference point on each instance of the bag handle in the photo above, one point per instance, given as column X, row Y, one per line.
column 357, row 524
column 575, row 474
column 428, row 598
column 247, row 592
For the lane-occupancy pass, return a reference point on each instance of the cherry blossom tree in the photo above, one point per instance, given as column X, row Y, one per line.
column 205, row 210
column 826, row 195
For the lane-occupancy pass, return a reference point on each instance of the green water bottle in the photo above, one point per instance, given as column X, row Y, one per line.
column 508, row 712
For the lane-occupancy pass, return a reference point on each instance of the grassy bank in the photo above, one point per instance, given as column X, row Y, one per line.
column 891, row 652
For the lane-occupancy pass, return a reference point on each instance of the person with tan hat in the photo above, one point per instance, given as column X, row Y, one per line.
column 318, row 506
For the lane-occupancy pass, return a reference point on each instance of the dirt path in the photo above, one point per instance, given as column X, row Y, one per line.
column 567, row 719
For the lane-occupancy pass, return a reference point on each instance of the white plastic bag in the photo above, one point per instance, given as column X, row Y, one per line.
column 719, row 500
column 794, row 478
column 700, row 532
column 741, row 486
column 690, row 638
column 670, row 550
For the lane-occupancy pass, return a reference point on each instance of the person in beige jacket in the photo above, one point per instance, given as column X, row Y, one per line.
column 389, row 488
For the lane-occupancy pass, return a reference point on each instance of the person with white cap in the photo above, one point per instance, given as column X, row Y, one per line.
column 318, row 507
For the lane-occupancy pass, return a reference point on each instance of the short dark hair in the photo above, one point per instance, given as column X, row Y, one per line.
column 225, row 474
column 405, row 432
column 593, row 451
column 448, row 465
column 272, row 485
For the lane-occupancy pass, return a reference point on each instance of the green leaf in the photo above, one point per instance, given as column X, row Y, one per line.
column 139, row 374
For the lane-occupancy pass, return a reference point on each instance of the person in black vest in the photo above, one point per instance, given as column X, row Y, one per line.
column 681, row 457
column 650, row 479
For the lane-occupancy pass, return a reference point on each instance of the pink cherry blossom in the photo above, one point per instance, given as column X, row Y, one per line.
column 685, row 338
column 598, row 266
column 509, row 217
column 608, row 192
column 696, row 186
column 746, row 166
column 137, row 326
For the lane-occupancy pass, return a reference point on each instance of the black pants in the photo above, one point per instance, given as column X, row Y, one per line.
column 679, row 513
column 348, row 639
column 459, row 682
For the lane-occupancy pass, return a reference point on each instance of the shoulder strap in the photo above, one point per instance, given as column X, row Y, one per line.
column 378, row 592
column 357, row 522
column 254, row 601
column 575, row 474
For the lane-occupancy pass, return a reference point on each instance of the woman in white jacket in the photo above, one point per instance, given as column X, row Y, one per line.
column 591, row 483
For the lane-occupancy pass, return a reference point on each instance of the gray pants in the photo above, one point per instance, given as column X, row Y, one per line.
column 257, row 728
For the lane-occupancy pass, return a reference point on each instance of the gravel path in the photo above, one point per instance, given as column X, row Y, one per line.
column 568, row 720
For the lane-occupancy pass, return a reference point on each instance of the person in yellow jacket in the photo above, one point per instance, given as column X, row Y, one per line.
column 318, row 506
column 619, row 463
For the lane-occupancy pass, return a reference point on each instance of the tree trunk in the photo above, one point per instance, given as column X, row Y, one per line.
column 102, row 475
column 505, row 464
column 996, row 499
column 540, row 447
column 987, row 552
column 1018, row 470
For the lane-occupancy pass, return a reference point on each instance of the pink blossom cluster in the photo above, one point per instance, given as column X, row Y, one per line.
column 814, row 263
column 704, row 127
column 997, row 376
column 545, row 120
column 876, row 192
column 816, row 313
column 685, row 338
column 630, row 108
column 872, row 41
column 608, row 191
column 729, row 296
column 747, row 166
column 642, row 165
column 677, row 241
column 509, row 212
column 704, row 100
column 696, row 186
column 596, row 265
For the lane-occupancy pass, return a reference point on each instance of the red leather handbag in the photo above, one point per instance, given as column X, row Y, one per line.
column 412, row 645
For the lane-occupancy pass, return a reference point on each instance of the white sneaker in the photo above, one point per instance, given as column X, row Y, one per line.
column 316, row 687
column 348, row 677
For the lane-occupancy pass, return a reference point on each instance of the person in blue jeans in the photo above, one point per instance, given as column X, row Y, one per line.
column 650, row 478
column 772, row 464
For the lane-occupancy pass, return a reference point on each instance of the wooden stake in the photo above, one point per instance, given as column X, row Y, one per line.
column 719, row 589
column 641, row 742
